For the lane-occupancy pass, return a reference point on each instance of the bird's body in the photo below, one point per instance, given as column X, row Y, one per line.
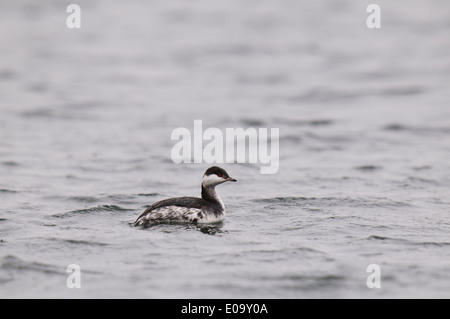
column 207, row 209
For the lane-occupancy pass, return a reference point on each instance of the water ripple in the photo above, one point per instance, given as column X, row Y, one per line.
column 409, row 242
column 4, row 190
column 13, row 263
column 416, row 129
column 96, row 209
column 334, row 201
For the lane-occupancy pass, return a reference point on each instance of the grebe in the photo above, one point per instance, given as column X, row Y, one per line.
column 208, row 209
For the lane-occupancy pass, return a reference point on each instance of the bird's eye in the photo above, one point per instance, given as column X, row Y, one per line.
column 220, row 175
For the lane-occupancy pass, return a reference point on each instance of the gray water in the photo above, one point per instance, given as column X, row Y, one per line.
column 364, row 119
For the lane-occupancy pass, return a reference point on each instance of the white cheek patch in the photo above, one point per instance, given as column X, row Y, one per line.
column 211, row 180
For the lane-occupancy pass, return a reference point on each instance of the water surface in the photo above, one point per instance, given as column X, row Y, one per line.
column 364, row 119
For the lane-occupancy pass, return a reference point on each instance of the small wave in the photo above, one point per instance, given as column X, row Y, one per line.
column 301, row 122
column 4, row 190
column 328, row 138
column 101, row 208
column 10, row 163
column 420, row 180
column 416, row 129
column 96, row 209
column 123, row 199
column 117, row 198
column 421, row 168
column 394, row 127
column 253, row 122
column 437, row 244
column 405, row 90
column 38, row 113
column 291, row 138
column 53, row 113
column 78, row 242
column 270, row 79
column 389, row 239
column 334, row 201
column 13, row 263
column 6, row 74
column 84, row 199
column 410, row 242
column 323, row 95
column 368, row 168
column 148, row 194
column 376, row 237
column 283, row 199
column 309, row 281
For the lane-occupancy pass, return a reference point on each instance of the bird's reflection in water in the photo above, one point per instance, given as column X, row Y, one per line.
column 210, row 229
column 170, row 227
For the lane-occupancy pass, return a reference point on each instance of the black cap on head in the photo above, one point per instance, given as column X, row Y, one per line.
column 217, row 170
column 221, row 173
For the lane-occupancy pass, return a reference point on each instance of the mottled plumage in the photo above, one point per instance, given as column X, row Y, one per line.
column 207, row 209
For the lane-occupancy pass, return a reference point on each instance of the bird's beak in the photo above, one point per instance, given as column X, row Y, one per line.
column 230, row 179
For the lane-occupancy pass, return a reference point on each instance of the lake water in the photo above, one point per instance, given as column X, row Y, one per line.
column 364, row 174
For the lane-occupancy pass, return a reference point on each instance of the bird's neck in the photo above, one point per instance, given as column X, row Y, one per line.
column 209, row 194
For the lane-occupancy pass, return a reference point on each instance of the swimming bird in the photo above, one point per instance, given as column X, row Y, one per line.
column 207, row 209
